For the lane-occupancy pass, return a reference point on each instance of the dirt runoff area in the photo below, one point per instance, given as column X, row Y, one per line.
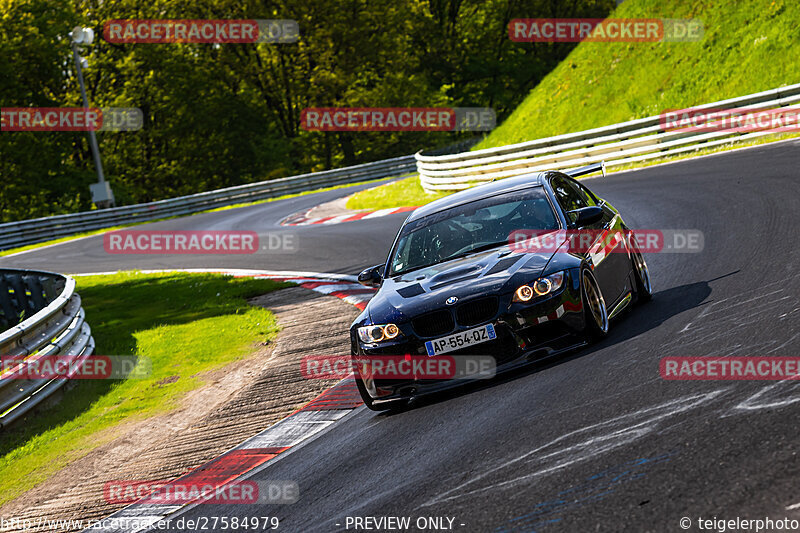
column 237, row 402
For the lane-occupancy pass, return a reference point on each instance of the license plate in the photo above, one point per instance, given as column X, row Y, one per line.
column 459, row 340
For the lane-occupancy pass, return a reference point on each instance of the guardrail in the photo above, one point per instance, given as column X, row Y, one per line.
column 40, row 316
column 617, row 144
column 37, row 230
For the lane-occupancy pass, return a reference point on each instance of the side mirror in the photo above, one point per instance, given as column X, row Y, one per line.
column 585, row 216
column 372, row 276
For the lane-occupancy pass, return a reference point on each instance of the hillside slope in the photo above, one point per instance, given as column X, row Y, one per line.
column 748, row 46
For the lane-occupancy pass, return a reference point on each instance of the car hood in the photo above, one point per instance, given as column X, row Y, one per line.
column 498, row 271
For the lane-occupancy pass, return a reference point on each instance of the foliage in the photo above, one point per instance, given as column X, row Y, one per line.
column 222, row 115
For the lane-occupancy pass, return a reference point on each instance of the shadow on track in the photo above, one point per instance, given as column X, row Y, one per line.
column 639, row 320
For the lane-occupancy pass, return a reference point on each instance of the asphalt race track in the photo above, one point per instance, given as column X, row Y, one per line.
column 596, row 441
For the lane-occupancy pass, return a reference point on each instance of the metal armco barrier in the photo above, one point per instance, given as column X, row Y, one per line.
column 40, row 316
column 618, row 144
column 37, row 230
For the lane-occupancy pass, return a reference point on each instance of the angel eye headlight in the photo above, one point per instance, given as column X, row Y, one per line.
column 540, row 287
column 378, row 332
column 523, row 294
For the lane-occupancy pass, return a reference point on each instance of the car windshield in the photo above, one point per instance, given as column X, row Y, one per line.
column 469, row 228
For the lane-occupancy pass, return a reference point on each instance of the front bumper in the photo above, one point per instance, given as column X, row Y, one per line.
column 525, row 332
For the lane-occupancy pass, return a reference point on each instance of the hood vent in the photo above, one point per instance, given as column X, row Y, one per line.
column 503, row 264
column 411, row 291
column 450, row 282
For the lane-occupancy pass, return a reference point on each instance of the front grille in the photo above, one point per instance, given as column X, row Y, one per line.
column 477, row 311
column 432, row 324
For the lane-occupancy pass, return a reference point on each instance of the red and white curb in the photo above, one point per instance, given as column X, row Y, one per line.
column 246, row 459
column 341, row 286
column 302, row 219
column 352, row 293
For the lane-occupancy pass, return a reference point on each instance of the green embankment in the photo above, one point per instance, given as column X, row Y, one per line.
column 748, row 46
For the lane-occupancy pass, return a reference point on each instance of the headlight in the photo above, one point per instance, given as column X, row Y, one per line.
column 540, row 287
column 378, row 333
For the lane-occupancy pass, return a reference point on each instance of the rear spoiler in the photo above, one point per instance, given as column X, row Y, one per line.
column 588, row 169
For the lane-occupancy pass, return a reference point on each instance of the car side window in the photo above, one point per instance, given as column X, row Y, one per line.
column 568, row 196
column 587, row 195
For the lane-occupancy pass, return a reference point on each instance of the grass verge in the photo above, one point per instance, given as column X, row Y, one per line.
column 400, row 193
column 185, row 324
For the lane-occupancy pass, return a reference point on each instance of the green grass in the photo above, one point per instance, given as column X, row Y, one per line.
column 223, row 208
column 401, row 193
column 185, row 324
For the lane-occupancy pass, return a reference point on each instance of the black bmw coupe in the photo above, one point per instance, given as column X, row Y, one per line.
column 457, row 283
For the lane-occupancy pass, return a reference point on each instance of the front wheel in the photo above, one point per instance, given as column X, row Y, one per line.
column 596, row 314
column 369, row 402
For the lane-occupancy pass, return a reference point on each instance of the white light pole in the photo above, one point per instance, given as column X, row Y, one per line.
column 102, row 195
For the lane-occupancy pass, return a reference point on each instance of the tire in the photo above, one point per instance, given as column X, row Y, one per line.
column 594, row 306
column 368, row 401
column 641, row 274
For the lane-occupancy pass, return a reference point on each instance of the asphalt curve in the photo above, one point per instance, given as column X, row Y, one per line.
column 595, row 441
column 318, row 248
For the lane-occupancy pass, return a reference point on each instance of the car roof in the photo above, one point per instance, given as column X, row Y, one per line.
column 481, row 191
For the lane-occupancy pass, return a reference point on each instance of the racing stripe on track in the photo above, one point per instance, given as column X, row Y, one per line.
column 301, row 426
column 302, row 219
